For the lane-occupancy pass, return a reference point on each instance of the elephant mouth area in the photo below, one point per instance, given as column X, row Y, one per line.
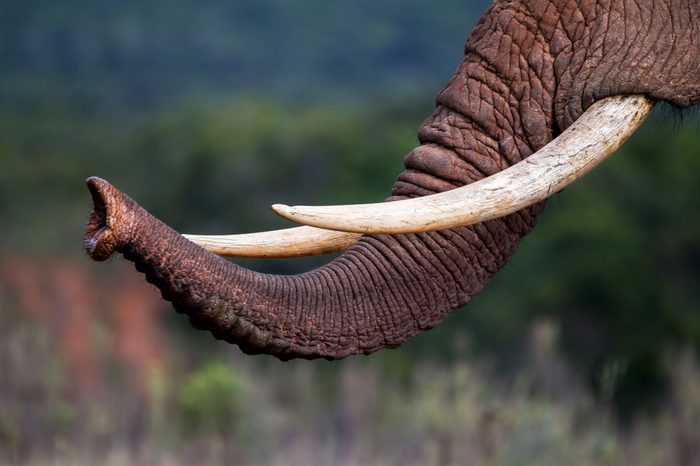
column 100, row 241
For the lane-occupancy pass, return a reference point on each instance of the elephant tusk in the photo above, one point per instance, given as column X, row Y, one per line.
column 587, row 142
column 592, row 138
column 292, row 242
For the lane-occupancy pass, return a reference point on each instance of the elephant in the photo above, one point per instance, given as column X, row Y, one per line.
column 537, row 78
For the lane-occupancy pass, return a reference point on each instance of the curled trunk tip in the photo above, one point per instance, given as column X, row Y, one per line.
column 101, row 238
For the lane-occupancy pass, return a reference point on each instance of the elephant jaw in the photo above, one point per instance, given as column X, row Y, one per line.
column 598, row 133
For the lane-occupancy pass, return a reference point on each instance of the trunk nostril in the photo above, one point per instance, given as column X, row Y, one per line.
column 99, row 241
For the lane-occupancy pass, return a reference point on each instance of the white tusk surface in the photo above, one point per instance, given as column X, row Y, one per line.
column 292, row 242
column 598, row 133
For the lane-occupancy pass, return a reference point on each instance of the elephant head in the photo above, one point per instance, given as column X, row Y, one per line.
column 532, row 70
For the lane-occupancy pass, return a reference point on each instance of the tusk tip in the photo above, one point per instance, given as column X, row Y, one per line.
column 283, row 210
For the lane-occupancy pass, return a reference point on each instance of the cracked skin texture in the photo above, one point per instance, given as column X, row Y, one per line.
column 530, row 68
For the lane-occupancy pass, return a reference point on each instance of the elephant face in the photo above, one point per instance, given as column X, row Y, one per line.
column 530, row 71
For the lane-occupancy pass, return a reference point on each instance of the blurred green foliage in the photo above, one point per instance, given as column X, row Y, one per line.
column 139, row 55
column 213, row 400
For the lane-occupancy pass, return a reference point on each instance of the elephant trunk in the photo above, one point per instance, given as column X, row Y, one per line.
column 382, row 291
column 215, row 294
column 331, row 312
column 385, row 288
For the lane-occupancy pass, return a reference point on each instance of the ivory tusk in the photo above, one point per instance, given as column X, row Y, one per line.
column 593, row 137
column 587, row 142
column 292, row 242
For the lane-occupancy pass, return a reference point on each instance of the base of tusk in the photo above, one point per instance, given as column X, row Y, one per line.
column 588, row 141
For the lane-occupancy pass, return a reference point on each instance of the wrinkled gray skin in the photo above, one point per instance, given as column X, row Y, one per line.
column 530, row 69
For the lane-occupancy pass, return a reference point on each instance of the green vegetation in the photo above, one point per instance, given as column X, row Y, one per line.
column 212, row 399
column 133, row 55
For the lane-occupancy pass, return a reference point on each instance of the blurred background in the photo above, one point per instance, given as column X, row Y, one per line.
column 583, row 350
